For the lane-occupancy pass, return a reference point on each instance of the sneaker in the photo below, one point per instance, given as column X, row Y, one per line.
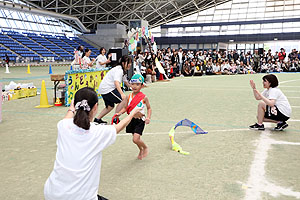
column 99, row 121
column 280, row 126
column 257, row 127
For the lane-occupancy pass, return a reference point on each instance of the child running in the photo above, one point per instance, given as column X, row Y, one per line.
column 76, row 172
column 137, row 100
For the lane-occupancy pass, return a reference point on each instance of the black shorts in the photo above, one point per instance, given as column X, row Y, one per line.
column 274, row 114
column 101, row 197
column 135, row 126
column 112, row 98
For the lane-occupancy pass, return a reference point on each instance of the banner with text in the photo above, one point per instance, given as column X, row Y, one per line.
column 77, row 79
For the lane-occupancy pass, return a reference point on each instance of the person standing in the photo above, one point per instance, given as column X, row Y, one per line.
column 256, row 60
column 86, row 61
column 7, row 60
column 110, row 88
column 281, row 55
column 102, row 60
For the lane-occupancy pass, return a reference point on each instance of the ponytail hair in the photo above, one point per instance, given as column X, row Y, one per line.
column 84, row 101
column 126, row 60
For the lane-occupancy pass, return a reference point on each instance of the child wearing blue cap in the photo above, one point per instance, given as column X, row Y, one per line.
column 136, row 126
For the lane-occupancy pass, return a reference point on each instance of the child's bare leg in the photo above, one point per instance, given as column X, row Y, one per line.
column 141, row 145
column 104, row 112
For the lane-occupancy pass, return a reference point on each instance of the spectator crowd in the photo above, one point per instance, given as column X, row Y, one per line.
column 212, row 62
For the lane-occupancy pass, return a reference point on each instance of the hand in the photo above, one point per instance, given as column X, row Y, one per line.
column 109, row 55
column 123, row 96
column 252, row 84
column 72, row 107
column 118, row 114
column 147, row 121
column 93, row 59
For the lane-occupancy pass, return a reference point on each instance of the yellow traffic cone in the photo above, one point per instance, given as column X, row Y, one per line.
column 28, row 69
column 44, row 99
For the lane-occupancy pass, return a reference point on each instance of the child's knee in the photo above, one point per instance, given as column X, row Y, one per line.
column 136, row 139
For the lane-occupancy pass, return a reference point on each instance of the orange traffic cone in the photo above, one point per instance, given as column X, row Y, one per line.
column 44, row 99
column 58, row 102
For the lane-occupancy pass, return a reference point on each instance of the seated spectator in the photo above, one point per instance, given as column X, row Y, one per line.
column 250, row 68
column 136, row 67
column 175, row 69
column 209, row 69
column 187, row 71
column 277, row 66
column 217, row 68
column 151, row 72
column 293, row 66
column 264, row 68
column 143, row 69
column 284, row 67
column 198, row 71
column 270, row 66
column 241, row 68
column 233, row 68
column 225, row 67
column 297, row 64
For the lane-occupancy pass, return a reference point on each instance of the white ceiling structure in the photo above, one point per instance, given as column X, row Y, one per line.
column 93, row 12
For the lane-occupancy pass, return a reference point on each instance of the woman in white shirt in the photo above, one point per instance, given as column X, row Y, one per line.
column 111, row 90
column 274, row 106
column 86, row 61
column 76, row 172
column 102, row 61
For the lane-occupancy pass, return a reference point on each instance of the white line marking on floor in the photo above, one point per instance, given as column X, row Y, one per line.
column 257, row 182
column 294, row 120
column 166, row 133
column 283, row 82
column 257, row 171
column 285, row 142
column 291, row 91
column 295, row 106
column 289, row 86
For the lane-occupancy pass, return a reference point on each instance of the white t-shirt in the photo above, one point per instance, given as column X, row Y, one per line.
column 282, row 102
column 180, row 57
column 76, row 173
column 85, row 62
column 107, row 84
column 101, row 59
column 216, row 68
